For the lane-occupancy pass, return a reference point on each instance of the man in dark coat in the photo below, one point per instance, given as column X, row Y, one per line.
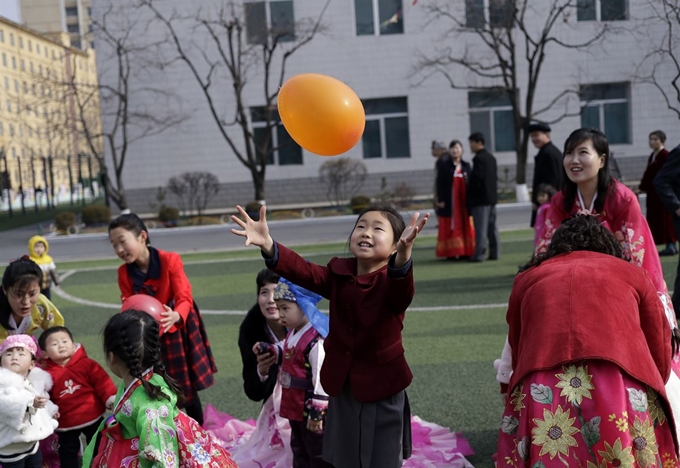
column 482, row 196
column 547, row 163
column 667, row 185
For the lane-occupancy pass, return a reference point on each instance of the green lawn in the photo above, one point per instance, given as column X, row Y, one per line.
column 450, row 351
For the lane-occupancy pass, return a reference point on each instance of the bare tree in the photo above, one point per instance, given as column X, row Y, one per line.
column 343, row 178
column 194, row 190
column 661, row 65
column 119, row 32
column 238, row 51
column 518, row 33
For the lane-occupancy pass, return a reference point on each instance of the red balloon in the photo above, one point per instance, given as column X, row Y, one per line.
column 144, row 303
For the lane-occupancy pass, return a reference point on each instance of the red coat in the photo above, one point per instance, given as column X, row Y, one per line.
column 366, row 318
column 587, row 305
column 171, row 284
column 81, row 390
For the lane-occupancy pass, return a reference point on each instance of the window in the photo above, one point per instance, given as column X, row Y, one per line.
column 607, row 106
column 14, row 62
column 386, row 134
column 23, row 65
column 279, row 14
column 11, row 131
column 501, row 13
column 72, row 11
column 73, row 28
column 6, row 83
column 30, row 66
column 602, row 10
column 37, row 48
column 21, row 42
column 16, row 86
column 2, row 35
column 286, row 152
column 2, row 130
column 491, row 114
column 378, row 17
column 30, row 46
column 4, row 59
column 11, row 39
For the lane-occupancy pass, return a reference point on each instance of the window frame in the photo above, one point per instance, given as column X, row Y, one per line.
column 600, row 103
column 274, row 137
column 375, row 5
column 268, row 20
column 492, row 109
column 598, row 13
column 487, row 7
column 380, row 117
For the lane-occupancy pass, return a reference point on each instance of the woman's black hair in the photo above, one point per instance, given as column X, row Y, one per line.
column 265, row 277
column 660, row 134
column 454, row 143
column 130, row 222
column 582, row 232
column 605, row 182
column 132, row 336
column 19, row 275
column 42, row 341
column 390, row 213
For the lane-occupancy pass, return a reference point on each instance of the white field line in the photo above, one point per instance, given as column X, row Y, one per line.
column 105, row 305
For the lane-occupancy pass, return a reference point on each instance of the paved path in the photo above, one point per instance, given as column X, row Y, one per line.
column 210, row 238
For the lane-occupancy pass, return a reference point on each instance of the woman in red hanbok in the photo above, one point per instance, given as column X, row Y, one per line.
column 456, row 234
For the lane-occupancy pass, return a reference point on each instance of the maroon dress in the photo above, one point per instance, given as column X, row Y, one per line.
column 659, row 219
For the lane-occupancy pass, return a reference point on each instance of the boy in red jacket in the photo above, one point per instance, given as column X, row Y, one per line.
column 82, row 390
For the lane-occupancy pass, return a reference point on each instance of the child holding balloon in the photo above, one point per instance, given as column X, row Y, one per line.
column 364, row 371
column 184, row 345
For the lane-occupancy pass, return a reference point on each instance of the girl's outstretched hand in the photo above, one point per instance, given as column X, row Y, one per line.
column 412, row 230
column 405, row 243
column 255, row 232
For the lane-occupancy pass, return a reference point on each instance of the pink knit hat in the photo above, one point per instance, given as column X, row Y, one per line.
column 19, row 341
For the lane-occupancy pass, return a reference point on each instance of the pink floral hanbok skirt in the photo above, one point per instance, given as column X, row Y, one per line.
column 587, row 414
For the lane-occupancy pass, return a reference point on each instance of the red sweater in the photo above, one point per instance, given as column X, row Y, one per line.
column 586, row 305
column 166, row 281
column 81, row 390
column 367, row 313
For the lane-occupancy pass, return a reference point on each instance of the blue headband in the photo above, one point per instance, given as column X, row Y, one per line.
column 306, row 300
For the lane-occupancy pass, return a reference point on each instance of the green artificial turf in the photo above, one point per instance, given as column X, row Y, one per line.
column 450, row 351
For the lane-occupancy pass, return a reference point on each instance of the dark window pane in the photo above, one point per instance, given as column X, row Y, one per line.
column 283, row 20
column 385, row 106
column 397, row 137
column 616, row 123
column 391, row 17
column 290, row 152
column 257, row 114
column 474, row 14
column 501, row 13
column 363, row 10
column 604, row 91
column 71, row 11
column 256, row 22
column 260, row 136
column 478, row 99
column 481, row 122
column 504, row 133
column 590, row 117
column 613, row 10
column 585, row 10
column 370, row 141
column 73, row 28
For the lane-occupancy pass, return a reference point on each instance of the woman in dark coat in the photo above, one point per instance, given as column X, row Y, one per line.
column 659, row 219
column 260, row 325
column 456, row 235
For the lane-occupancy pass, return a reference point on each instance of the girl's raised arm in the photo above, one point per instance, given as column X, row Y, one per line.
column 405, row 243
column 255, row 232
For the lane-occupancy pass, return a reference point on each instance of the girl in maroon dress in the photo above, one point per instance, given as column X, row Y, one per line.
column 184, row 345
column 659, row 219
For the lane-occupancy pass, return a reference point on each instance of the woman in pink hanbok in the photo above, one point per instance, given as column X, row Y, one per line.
column 577, row 399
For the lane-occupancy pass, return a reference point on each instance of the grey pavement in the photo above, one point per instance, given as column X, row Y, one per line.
column 297, row 232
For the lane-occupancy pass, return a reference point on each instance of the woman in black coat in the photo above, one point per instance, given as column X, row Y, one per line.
column 456, row 235
column 261, row 324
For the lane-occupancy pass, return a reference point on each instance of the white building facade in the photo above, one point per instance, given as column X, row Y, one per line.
column 376, row 46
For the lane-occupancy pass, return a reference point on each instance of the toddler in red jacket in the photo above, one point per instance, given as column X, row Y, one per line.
column 82, row 390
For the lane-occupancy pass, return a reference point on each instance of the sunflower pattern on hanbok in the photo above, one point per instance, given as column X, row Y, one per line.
column 589, row 414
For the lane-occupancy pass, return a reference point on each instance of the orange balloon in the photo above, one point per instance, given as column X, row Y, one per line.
column 322, row 114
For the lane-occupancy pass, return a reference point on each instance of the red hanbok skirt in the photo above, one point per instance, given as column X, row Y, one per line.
column 456, row 235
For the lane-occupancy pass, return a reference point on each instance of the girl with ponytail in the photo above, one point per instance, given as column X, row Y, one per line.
column 146, row 428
